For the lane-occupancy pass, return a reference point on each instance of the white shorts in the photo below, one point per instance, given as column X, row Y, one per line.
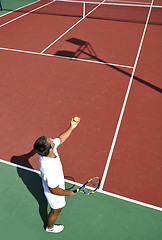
column 55, row 201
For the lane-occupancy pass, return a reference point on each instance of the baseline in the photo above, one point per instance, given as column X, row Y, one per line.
column 100, row 191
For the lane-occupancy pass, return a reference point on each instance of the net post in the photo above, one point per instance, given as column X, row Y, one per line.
column 83, row 9
column 0, row 6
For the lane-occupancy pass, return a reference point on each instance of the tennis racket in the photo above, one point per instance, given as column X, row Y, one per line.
column 70, row 182
column 90, row 186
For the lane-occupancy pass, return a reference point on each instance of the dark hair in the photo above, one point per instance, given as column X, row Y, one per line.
column 42, row 146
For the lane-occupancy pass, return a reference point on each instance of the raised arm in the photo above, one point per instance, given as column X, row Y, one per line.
column 67, row 133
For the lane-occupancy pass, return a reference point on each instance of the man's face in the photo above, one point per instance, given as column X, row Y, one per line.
column 50, row 141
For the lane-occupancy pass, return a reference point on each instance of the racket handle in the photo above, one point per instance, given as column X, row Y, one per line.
column 75, row 190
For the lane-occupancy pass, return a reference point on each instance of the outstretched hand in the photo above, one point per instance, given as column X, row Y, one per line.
column 68, row 132
column 74, row 124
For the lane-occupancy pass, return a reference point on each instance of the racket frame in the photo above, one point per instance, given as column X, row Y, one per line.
column 81, row 189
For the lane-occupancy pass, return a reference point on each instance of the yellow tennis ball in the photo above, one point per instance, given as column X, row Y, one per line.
column 76, row 119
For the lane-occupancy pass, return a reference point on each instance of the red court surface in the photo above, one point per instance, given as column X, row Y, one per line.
column 40, row 93
column 51, row 91
column 111, row 32
column 138, row 150
column 157, row 2
column 41, row 29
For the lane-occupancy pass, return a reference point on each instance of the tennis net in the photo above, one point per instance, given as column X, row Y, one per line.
column 123, row 12
column 135, row 13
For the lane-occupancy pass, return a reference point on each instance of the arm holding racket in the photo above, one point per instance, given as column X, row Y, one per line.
column 65, row 135
column 60, row 192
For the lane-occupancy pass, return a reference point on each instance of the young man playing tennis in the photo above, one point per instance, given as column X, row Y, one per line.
column 52, row 175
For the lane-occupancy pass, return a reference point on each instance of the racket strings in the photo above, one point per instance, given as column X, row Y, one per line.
column 91, row 185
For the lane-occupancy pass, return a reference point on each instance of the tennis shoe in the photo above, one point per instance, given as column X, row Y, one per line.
column 55, row 229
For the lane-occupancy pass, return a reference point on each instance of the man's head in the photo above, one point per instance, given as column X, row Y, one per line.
column 43, row 145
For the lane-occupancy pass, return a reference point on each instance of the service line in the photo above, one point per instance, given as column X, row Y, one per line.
column 68, row 58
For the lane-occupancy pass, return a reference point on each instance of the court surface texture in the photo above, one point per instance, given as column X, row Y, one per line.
column 104, row 67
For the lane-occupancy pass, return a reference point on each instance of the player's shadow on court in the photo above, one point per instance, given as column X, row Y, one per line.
column 33, row 183
column 85, row 49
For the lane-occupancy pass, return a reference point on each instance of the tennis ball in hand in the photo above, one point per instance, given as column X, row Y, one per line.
column 76, row 119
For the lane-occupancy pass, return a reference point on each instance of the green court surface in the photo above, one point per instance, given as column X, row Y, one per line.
column 98, row 216
column 10, row 5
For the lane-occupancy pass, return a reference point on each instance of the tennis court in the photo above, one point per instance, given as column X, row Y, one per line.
column 102, row 62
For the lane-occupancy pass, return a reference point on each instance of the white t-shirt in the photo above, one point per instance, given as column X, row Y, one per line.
column 51, row 170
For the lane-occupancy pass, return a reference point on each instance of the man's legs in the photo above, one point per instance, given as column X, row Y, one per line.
column 57, row 202
column 52, row 217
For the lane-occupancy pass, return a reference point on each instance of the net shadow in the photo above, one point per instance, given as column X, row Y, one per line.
column 85, row 48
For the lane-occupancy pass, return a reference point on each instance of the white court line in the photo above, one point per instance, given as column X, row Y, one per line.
column 14, row 19
column 101, row 3
column 69, row 58
column 124, row 104
column 128, row 2
column 18, row 8
column 93, row 61
column 100, row 191
column 122, row 112
column 72, row 27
